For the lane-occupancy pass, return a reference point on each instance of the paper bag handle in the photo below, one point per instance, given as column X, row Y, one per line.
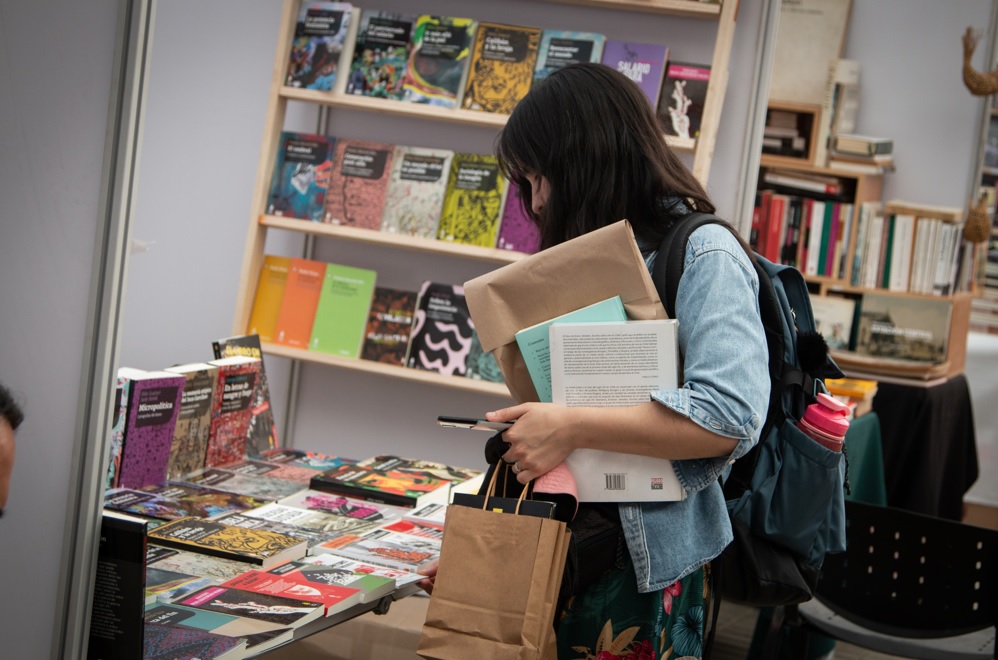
column 492, row 488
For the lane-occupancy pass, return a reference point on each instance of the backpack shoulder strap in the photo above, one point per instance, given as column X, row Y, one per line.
column 671, row 258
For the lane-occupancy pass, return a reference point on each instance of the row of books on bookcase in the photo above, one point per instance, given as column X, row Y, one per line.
column 411, row 191
column 235, row 559
column 455, row 62
column 339, row 310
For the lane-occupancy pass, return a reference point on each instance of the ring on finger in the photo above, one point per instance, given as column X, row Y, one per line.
column 516, row 468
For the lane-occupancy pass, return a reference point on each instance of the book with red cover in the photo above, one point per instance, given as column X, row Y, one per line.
column 294, row 584
column 262, row 434
column 301, row 299
column 238, row 380
column 356, row 194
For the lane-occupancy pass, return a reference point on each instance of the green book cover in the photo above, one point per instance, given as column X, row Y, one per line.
column 885, row 280
column 826, row 232
column 536, row 348
column 341, row 316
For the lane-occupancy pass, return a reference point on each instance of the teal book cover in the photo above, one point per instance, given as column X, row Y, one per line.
column 536, row 348
column 344, row 305
column 559, row 48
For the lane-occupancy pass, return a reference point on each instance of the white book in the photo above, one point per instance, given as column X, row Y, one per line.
column 942, row 258
column 814, row 245
column 904, row 228
column 609, row 365
column 873, row 252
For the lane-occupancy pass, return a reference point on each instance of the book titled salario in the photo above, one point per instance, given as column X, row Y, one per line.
column 643, row 63
column 470, row 213
column 254, row 546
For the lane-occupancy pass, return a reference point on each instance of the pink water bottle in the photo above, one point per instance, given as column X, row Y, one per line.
column 826, row 422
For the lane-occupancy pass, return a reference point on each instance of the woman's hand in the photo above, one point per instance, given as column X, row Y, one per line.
column 541, row 438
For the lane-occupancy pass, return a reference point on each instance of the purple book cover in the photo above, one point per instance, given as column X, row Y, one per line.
column 642, row 63
column 152, row 415
column 517, row 230
column 442, row 331
column 356, row 193
column 172, row 642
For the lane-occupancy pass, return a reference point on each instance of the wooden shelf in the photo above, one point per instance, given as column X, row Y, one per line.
column 688, row 8
column 399, row 241
column 367, row 366
column 802, row 165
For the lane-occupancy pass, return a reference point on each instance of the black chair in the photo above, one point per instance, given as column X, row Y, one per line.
column 909, row 585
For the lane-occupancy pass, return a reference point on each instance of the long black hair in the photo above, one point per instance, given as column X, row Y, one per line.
column 592, row 133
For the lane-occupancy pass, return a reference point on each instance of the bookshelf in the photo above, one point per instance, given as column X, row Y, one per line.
column 984, row 307
column 279, row 98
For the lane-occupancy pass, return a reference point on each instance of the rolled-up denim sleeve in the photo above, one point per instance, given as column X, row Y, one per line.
column 725, row 358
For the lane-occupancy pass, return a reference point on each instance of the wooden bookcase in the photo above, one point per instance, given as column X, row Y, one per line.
column 702, row 150
column 863, row 187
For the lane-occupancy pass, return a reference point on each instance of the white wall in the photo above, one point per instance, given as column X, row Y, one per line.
column 55, row 80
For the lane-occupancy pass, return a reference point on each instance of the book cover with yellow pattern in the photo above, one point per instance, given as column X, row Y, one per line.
column 502, row 67
column 210, row 537
column 473, row 200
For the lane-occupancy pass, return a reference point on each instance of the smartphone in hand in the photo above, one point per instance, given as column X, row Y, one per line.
column 472, row 423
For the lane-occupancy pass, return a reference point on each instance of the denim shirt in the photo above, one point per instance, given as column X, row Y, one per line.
column 725, row 390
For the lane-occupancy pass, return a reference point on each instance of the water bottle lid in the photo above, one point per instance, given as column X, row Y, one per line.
column 828, row 414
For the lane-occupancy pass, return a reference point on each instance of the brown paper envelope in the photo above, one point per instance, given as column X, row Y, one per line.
column 585, row 270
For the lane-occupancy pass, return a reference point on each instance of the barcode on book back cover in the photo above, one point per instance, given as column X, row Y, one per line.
column 615, row 481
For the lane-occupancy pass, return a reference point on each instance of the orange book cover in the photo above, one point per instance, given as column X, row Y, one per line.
column 269, row 292
column 301, row 297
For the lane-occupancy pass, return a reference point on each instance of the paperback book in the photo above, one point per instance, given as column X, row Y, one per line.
column 472, row 202
column 462, row 479
column 442, row 331
column 164, row 586
column 261, row 488
column 318, row 521
column 414, row 529
column 384, row 548
column 517, row 230
column 121, row 391
column 642, row 63
column 195, row 563
column 405, row 489
column 334, row 597
column 267, row 300
column 680, row 106
column 198, row 404
column 358, row 183
column 303, row 458
column 153, row 406
column 260, row 468
column 381, row 54
column 164, row 642
column 559, row 48
column 431, row 515
column 321, row 32
column 219, row 622
column 262, row 433
column 342, row 311
column 228, row 541
column 171, row 501
column 438, row 63
column 502, row 67
column 416, row 187
column 339, row 505
column 481, row 365
column 238, row 378
column 301, row 298
column 301, row 176
column 342, row 564
column 325, row 569
column 278, row 611
column 119, row 582
column 389, row 323
column 310, row 536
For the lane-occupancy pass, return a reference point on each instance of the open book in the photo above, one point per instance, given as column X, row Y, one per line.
column 616, row 364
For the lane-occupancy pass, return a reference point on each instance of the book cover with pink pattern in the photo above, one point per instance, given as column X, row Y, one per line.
column 154, row 402
column 239, row 376
column 357, row 185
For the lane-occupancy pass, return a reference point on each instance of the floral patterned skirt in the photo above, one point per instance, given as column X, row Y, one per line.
column 612, row 620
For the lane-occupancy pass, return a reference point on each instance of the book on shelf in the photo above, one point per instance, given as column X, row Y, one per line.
column 384, row 548
column 117, row 439
column 405, row 489
column 164, row 642
column 805, row 182
column 914, row 329
column 241, row 544
column 262, row 433
column 333, row 597
column 559, row 48
column 616, row 364
column 903, row 237
column 300, row 180
column 198, row 405
column 502, row 67
column 373, row 582
column 261, row 468
column 441, row 332
column 860, row 164
column 195, row 563
column 302, row 457
column 163, row 585
column 118, row 598
column 517, row 230
column 261, row 488
column 682, row 98
column 414, row 198
column 342, row 312
column 267, row 299
column 322, row 31
column 641, row 62
column 461, row 479
column 862, row 145
column 171, row 500
column 358, row 183
column 833, row 316
column 339, row 505
column 153, row 406
column 298, row 305
column 271, row 610
column 472, row 201
column 311, row 537
column 318, row 521
column 231, row 624
column 438, row 63
column 389, row 323
column 839, row 106
column 535, row 346
column 381, row 54
column 239, row 377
